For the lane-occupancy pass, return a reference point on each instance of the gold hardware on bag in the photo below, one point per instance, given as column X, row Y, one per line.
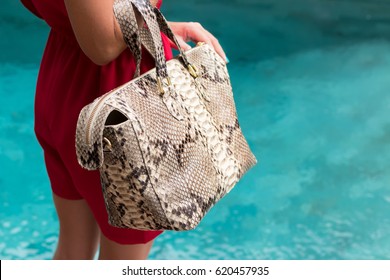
column 200, row 44
column 193, row 70
column 160, row 84
column 107, row 147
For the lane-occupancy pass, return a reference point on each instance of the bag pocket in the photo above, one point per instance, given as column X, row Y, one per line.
column 130, row 199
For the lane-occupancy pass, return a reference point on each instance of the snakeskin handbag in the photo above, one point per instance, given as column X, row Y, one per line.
column 168, row 143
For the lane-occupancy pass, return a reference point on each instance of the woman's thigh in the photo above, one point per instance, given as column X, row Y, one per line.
column 79, row 232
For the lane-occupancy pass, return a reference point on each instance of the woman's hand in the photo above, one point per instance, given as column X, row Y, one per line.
column 100, row 37
column 194, row 31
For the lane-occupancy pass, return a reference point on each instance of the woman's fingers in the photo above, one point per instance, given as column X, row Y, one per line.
column 216, row 45
column 197, row 33
column 194, row 31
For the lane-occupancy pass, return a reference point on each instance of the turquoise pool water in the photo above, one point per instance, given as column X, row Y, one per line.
column 311, row 82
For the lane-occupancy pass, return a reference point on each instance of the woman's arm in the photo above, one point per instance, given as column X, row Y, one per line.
column 96, row 29
column 99, row 36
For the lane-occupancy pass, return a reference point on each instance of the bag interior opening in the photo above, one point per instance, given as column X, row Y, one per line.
column 115, row 117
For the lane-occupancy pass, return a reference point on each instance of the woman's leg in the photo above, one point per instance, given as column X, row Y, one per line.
column 79, row 232
column 110, row 250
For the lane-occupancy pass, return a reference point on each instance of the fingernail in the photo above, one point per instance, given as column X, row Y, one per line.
column 227, row 60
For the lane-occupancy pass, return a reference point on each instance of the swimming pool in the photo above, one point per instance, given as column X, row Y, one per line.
column 311, row 84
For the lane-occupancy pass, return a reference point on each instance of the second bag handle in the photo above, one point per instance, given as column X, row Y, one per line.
column 156, row 23
column 129, row 27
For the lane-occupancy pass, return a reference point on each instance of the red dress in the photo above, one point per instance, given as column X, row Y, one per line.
column 68, row 80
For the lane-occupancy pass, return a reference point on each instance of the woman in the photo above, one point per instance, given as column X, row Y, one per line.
column 85, row 57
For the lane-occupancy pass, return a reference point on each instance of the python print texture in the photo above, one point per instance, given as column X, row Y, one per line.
column 166, row 156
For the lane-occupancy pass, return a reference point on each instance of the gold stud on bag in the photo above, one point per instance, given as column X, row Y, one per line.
column 168, row 143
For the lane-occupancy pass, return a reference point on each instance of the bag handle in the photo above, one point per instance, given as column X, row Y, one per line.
column 133, row 35
column 156, row 23
column 147, row 40
column 164, row 27
column 145, row 9
column 125, row 16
